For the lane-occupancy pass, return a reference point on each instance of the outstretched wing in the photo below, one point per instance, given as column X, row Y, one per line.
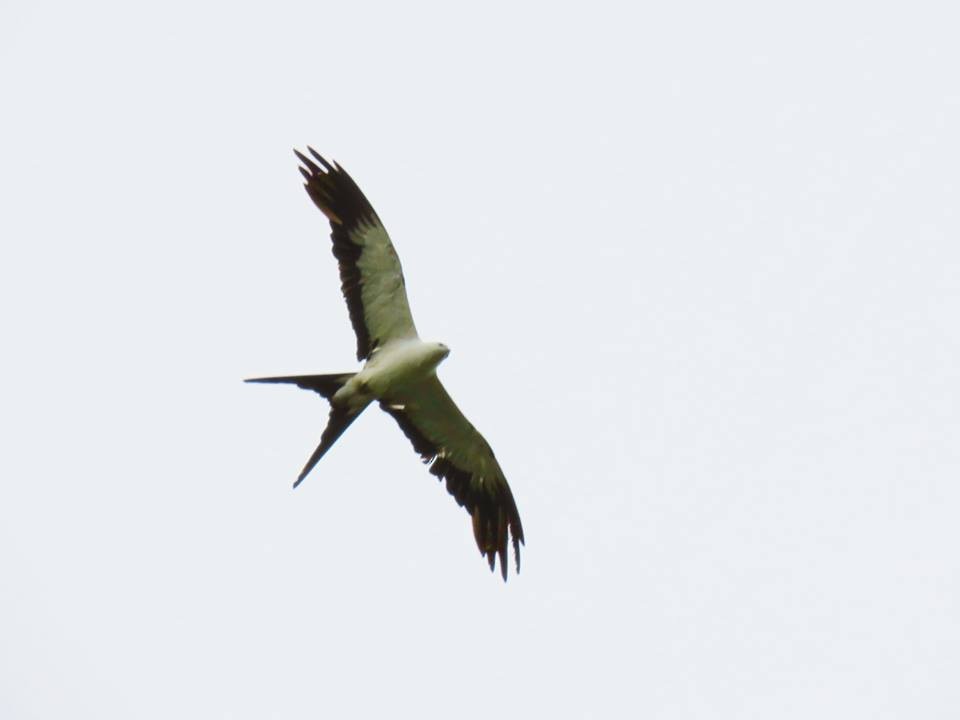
column 370, row 273
column 460, row 455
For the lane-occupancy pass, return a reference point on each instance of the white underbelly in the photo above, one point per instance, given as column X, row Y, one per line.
column 395, row 366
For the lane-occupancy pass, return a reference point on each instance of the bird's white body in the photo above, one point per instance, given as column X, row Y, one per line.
column 397, row 365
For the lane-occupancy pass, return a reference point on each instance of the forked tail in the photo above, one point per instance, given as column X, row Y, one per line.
column 340, row 416
column 326, row 385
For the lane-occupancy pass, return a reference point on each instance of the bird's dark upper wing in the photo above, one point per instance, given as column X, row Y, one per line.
column 459, row 454
column 370, row 273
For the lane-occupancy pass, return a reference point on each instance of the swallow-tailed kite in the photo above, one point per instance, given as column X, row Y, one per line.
column 400, row 368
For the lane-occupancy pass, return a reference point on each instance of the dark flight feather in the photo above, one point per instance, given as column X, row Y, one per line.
column 490, row 505
column 337, row 196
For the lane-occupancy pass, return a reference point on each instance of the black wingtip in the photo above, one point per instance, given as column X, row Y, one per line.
column 328, row 164
column 314, row 168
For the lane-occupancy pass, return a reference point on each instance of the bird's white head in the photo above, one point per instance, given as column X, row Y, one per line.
column 432, row 354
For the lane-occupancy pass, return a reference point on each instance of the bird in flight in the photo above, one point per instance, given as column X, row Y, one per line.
column 400, row 369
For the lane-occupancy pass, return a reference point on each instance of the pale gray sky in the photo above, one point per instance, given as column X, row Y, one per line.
column 700, row 272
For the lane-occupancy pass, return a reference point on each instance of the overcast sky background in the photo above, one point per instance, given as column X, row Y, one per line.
column 698, row 267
